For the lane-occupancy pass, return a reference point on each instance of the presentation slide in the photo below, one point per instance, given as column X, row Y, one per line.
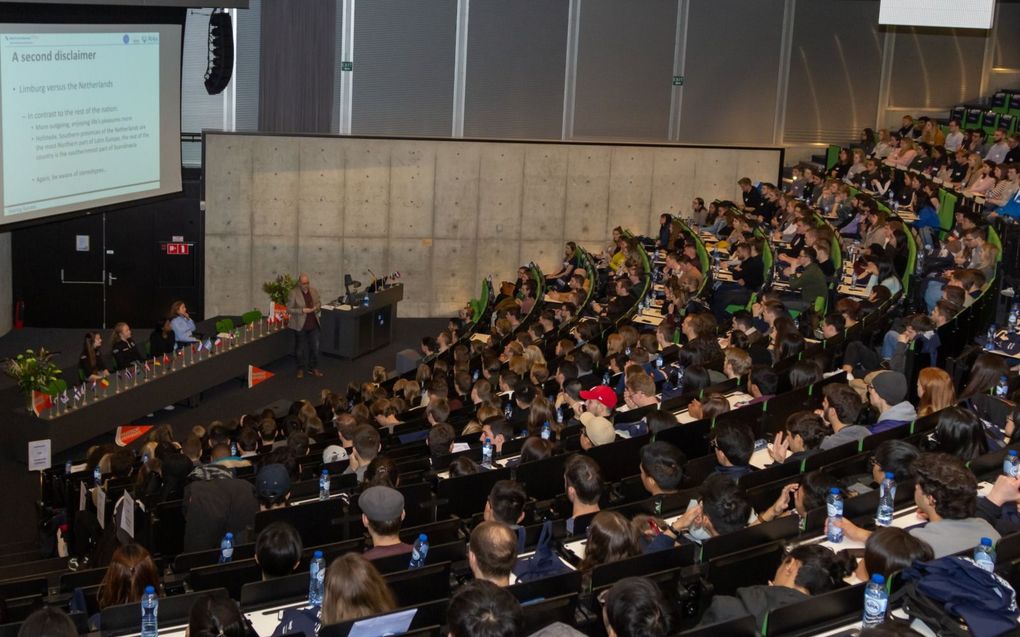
column 965, row 14
column 89, row 116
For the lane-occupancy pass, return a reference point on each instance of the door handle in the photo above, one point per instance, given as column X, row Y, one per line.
column 110, row 278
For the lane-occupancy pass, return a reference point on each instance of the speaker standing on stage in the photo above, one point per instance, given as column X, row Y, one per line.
column 304, row 307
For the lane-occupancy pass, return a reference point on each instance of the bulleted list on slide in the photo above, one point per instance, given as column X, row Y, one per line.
column 80, row 117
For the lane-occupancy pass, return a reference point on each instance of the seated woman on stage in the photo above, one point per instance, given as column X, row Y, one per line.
column 124, row 349
column 91, row 360
column 161, row 340
column 182, row 324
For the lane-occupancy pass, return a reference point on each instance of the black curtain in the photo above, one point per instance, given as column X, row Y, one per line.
column 297, row 67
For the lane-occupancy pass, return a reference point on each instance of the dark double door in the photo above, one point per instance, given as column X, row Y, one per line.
column 99, row 269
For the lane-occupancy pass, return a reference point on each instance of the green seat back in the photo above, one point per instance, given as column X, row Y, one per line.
column 831, row 156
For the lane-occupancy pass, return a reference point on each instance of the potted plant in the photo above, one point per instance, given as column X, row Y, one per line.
column 279, row 288
column 32, row 371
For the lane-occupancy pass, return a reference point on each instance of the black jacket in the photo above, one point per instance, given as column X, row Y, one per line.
column 125, row 353
column 217, row 506
column 757, row 601
column 752, row 271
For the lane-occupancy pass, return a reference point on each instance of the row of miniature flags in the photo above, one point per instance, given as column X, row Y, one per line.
column 43, row 401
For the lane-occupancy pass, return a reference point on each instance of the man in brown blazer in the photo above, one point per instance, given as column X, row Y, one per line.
column 304, row 307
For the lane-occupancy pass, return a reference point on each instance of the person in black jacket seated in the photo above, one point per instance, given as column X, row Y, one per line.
column 733, row 444
column 807, row 570
column 748, row 278
column 124, row 349
column 161, row 341
column 618, row 303
column 91, row 363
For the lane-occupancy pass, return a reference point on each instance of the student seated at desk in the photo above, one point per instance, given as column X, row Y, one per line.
column 889, row 550
column 807, row 570
column 946, row 496
column 218, row 617
column 582, row 478
column 809, row 493
column 734, row 445
column 722, row 508
column 352, row 589
column 802, row 436
column 492, row 552
column 611, row 538
column 636, row 607
column 278, row 550
column 382, row 511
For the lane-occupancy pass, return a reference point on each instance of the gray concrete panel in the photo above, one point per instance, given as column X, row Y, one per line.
column 228, row 167
column 413, row 257
column 274, row 200
column 367, row 197
column 587, row 216
column 321, row 188
column 454, row 279
column 412, row 189
column 228, row 287
column 456, row 198
column 500, row 188
column 630, row 188
column 322, row 259
column 545, row 191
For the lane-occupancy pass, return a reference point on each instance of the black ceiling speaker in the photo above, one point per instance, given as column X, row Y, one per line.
column 221, row 52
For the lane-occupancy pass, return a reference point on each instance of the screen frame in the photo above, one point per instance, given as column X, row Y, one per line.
column 30, row 13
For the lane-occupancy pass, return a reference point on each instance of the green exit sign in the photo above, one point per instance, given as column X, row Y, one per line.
column 346, row 66
column 678, row 80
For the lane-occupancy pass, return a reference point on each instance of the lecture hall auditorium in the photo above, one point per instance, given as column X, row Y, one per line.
column 510, row 318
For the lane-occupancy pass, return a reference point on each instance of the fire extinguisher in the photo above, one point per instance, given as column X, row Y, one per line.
column 19, row 315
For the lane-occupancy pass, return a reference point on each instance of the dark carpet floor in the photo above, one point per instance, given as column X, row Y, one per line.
column 219, row 403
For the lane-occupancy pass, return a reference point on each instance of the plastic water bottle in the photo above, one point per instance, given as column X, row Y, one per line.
column 419, row 551
column 990, row 338
column 606, row 378
column 474, row 376
column 559, row 416
column 227, row 548
column 67, row 467
column 316, row 579
column 1012, row 319
column 876, row 600
column 1002, row 388
column 834, row 509
column 547, row 431
column 659, row 362
column 487, row 452
column 365, row 301
column 324, row 485
column 508, row 411
column 886, row 500
column 150, row 613
column 233, row 449
column 1011, row 464
column 97, row 476
column 984, row 554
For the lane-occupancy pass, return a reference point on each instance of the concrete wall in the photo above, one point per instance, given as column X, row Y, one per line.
column 6, row 285
column 445, row 214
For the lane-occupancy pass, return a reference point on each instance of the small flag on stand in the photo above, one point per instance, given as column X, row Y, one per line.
column 41, row 401
column 256, row 376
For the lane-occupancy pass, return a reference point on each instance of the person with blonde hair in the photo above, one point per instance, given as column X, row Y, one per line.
column 935, row 391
